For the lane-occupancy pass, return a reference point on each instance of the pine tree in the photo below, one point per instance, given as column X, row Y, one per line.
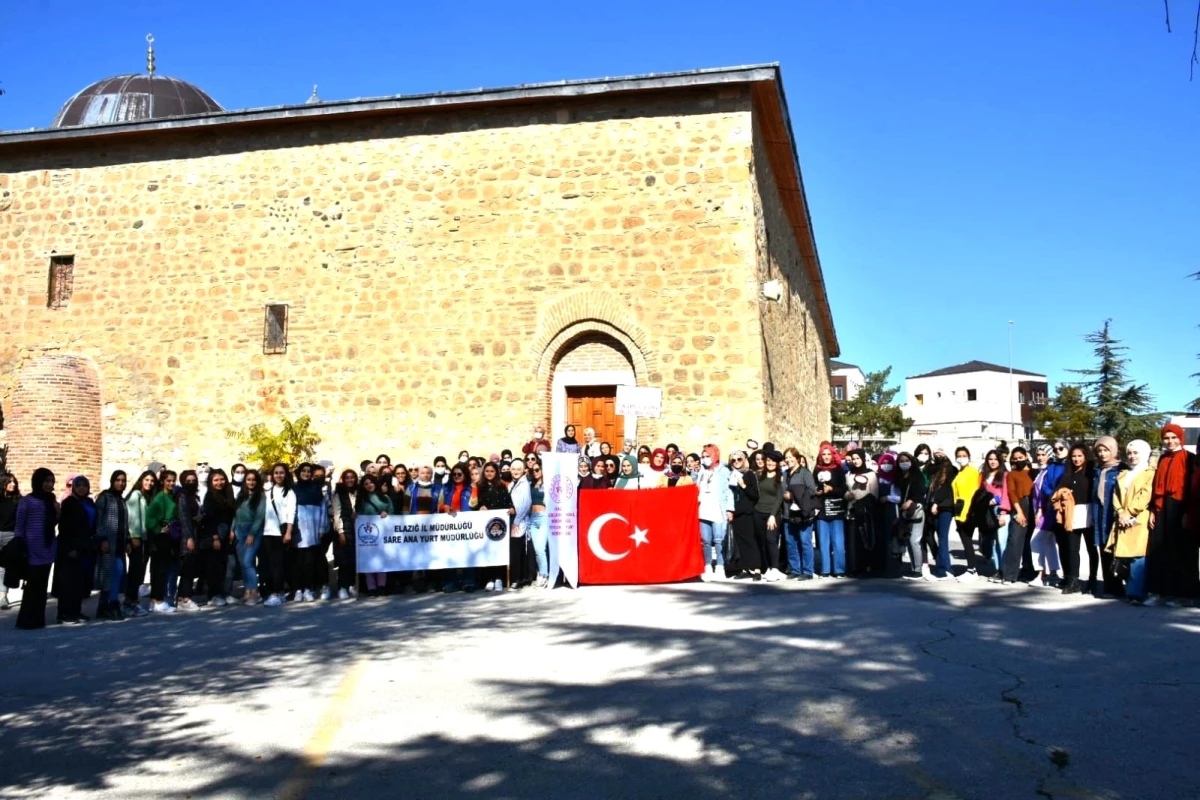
column 870, row 411
column 1122, row 408
column 1067, row 415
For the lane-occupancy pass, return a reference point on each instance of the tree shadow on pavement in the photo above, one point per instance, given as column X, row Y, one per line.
column 847, row 689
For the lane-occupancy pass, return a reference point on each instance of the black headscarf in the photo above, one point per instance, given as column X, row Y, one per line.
column 40, row 476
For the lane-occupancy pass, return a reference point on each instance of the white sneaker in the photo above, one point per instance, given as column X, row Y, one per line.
column 218, row 602
column 707, row 575
column 490, row 586
column 343, row 594
column 306, row 596
column 718, row 574
column 772, row 575
column 274, row 601
column 499, row 586
column 143, row 591
column 188, row 604
column 354, row 591
column 325, row 593
column 162, row 608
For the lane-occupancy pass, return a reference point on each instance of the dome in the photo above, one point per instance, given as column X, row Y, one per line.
column 134, row 98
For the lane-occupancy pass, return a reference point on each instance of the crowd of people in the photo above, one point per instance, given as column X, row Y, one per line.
column 764, row 514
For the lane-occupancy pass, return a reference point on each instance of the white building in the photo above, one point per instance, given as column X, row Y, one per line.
column 975, row 402
column 845, row 380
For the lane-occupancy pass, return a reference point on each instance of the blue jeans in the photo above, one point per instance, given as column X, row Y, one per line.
column 712, row 535
column 798, row 536
column 246, row 555
column 945, row 520
column 997, row 553
column 1136, row 585
column 831, row 533
column 113, row 594
column 539, row 537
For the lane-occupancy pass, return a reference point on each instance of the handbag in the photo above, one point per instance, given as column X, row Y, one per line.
column 14, row 559
column 1081, row 517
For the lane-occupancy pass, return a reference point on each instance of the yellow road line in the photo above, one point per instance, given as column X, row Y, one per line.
column 317, row 748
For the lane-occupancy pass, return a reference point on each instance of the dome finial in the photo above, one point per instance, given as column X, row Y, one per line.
column 150, row 53
column 315, row 98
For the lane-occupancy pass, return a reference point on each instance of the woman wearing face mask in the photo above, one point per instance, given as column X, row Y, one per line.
column 1171, row 552
column 992, row 542
column 249, row 516
column 1072, row 502
column 440, row 474
column 863, row 544
column 940, row 496
column 744, row 485
column 1020, row 491
column 1108, row 469
column 923, row 463
column 312, row 511
column 494, row 496
column 1126, row 544
column 1042, row 544
column 965, row 485
column 163, row 531
column 910, row 491
column 36, row 522
column 768, row 515
column 676, row 474
column 831, row 525
column 76, row 538
column 190, row 554
column 568, row 443
column 112, row 536
column 716, row 501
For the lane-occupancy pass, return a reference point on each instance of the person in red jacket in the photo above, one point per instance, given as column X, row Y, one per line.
column 1172, row 552
column 539, row 443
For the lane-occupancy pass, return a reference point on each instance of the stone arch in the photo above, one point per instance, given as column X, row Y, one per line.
column 56, row 420
column 584, row 316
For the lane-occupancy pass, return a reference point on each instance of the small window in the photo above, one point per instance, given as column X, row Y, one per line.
column 839, row 393
column 275, row 329
column 62, row 281
column 920, row 399
column 971, row 396
column 1021, row 398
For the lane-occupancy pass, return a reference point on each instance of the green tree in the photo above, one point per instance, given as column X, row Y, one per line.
column 293, row 444
column 1123, row 409
column 1067, row 415
column 871, row 410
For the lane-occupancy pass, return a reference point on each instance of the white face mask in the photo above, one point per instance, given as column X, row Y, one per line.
column 905, row 466
column 962, row 461
column 706, row 461
column 885, row 467
column 538, row 435
column 923, row 459
column 462, row 460
column 439, row 470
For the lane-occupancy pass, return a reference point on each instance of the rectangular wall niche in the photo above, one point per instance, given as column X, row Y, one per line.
column 62, row 281
column 275, row 329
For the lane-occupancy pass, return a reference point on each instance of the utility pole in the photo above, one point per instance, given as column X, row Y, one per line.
column 1012, row 417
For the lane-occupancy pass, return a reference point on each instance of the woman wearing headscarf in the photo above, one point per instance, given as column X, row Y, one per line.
column 163, row 533
column 888, row 509
column 524, row 543
column 76, row 538
column 1171, row 552
column 10, row 497
column 191, row 554
column 675, row 474
column 612, row 470
column 37, row 519
column 583, row 472
column 768, row 515
column 632, row 476
column 1073, row 505
column 658, row 464
column 249, row 517
column 1020, row 490
column 831, row 517
column 371, row 502
column 715, row 503
column 136, row 503
column 568, row 443
column 1131, row 499
column 744, row 484
column 965, row 485
column 112, row 536
column 1042, row 544
column 864, row 544
column 312, row 514
column 1108, row 469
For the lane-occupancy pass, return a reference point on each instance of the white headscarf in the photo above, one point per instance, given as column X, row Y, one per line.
column 1142, row 448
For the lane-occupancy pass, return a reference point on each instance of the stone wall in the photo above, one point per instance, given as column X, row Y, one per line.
column 55, row 421
column 428, row 261
column 795, row 376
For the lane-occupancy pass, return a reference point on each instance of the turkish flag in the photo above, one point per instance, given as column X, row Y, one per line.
column 639, row 536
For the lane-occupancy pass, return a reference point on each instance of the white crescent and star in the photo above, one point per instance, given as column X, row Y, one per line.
column 639, row 537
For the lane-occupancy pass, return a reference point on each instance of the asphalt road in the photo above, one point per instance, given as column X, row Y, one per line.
column 830, row 689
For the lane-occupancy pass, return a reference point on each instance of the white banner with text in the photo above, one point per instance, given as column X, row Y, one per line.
column 559, row 476
column 401, row 543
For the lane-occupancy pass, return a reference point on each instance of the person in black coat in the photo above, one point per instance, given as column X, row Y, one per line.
column 745, row 494
column 76, row 538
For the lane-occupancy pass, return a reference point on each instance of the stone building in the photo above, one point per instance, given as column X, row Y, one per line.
column 417, row 273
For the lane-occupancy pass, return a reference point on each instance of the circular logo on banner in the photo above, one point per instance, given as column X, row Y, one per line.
column 368, row 533
column 496, row 529
column 562, row 489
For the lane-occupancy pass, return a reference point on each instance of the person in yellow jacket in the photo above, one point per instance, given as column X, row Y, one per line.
column 965, row 485
column 1131, row 515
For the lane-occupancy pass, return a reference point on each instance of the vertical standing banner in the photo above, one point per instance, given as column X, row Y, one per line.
column 560, row 477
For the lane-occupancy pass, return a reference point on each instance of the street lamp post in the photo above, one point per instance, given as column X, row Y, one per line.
column 1012, row 417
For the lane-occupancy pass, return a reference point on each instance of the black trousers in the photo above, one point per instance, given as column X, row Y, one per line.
column 344, row 559
column 323, row 559
column 966, row 534
column 518, row 560
column 190, row 567
column 214, row 563
column 1068, row 550
column 747, row 546
column 33, row 602
column 270, row 565
column 1015, row 549
column 72, row 585
column 163, row 557
column 306, row 568
column 767, row 541
column 135, row 573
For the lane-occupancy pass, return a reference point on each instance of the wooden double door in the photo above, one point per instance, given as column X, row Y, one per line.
column 596, row 407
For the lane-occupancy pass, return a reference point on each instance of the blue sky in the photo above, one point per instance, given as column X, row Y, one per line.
column 966, row 163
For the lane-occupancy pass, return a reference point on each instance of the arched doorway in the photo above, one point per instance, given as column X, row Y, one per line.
column 56, row 421
column 583, row 390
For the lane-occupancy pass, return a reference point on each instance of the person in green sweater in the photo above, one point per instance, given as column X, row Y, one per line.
column 162, row 530
column 136, row 503
column 248, row 523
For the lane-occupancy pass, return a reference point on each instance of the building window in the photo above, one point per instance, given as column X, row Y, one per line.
column 62, row 281
column 275, row 329
column 920, row 399
column 1021, row 398
column 839, row 393
column 971, row 395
